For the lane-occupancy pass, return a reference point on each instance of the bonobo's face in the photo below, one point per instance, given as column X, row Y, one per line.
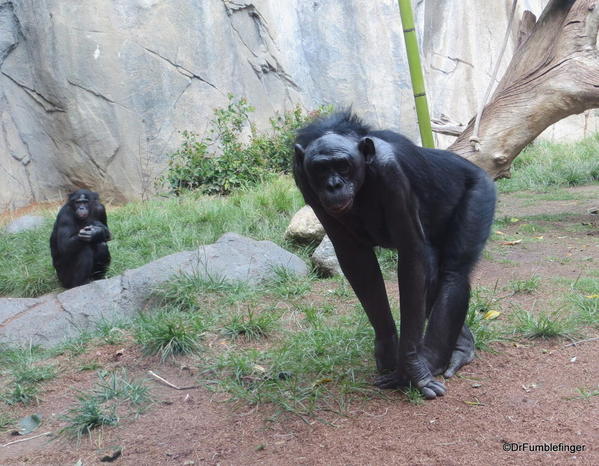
column 335, row 170
column 80, row 203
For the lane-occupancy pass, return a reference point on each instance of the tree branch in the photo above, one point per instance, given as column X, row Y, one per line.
column 553, row 74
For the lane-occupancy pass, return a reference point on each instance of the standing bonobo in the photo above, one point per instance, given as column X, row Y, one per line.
column 78, row 242
column 375, row 188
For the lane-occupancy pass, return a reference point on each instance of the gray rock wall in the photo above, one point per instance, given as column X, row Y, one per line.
column 93, row 93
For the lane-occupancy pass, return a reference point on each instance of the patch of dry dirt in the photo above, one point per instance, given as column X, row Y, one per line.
column 523, row 393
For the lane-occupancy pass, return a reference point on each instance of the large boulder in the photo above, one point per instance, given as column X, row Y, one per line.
column 25, row 223
column 50, row 319
column 94, row 93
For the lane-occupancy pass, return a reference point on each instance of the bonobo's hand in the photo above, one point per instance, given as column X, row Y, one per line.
column 86, row 233
column 413, row 371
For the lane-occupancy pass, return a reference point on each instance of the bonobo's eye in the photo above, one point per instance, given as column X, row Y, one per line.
column 342, row 167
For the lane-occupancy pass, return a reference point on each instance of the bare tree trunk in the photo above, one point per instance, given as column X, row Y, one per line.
column 553, row 74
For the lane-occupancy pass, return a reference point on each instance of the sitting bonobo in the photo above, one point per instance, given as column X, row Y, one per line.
column 78, row 241
column 375, row 188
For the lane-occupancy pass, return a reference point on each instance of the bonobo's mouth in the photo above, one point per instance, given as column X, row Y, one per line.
column 341, row 208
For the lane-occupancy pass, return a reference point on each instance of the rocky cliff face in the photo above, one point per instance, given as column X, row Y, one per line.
column 94, row 93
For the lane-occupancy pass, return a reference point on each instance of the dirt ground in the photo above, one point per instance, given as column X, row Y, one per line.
column 521, row 396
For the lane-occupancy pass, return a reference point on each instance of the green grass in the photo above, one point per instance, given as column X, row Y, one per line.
column 6, row 421
column 543, row 165
column 413, row 396
column 586, row 309
column 484, row 330
column 74, row 346
column 117, row 385
column 286, row 284
column 112, row 332
column 168, row 332
column 585, row 394
column 306, row 369
column 525, row 286
column 115, row 396
column 251, row 325
column 88, row 414
column 543, row 325
column 24, row 372
column 145, row 231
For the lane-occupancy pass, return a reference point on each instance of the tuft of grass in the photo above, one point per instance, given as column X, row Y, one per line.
column 117, row 385
column 542, row 325
column 413, row 395
column 250, row 325
column 89, row 366
column 74, row 346
column 482, row 301
column 187, row 292
column 101, row 406
column 525, row 286
column 5, row 421
column 20, row 366
column 542, row 165
column 586, row 394
column 112, row 332
column 21, row 393
column 169, row 332
column 287, row 284
column 88, row 414
column 343, row 289
column 586, row 309
column 315, row 314
column 388, row 262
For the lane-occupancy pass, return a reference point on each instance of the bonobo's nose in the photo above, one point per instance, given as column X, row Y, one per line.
column 334, row 185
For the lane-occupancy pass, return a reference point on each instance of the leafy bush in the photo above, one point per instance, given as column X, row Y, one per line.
column 220, row 162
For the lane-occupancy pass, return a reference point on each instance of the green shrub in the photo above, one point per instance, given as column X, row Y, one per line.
column 220, row 162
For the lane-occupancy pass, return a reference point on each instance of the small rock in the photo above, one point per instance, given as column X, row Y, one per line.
column 110, row 454
column 305, row 227
column 325, row 259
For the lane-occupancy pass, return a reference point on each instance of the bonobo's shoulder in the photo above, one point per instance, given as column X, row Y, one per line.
column 391, row 147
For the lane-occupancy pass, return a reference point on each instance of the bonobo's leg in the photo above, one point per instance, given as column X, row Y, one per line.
column 101, row 261
column 413, row 367
column 79, row 271
column 462, row 354
column 446, row 320
column 448, row 343
column 361, row 268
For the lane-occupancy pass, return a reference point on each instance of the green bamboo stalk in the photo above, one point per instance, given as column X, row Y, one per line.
column 409, row 30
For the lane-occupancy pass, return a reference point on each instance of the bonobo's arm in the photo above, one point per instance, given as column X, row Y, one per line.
column 67, row 234
column 96, row 232
column 404, row 221
column 361, row 268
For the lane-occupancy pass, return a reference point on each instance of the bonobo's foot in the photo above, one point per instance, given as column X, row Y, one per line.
column 417, row 373
column 386, row 353
column 462, row 354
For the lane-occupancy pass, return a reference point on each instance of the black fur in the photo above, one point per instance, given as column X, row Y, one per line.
column 78, row 245
column 376, row 188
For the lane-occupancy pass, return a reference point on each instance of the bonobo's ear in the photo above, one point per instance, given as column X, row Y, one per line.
column 366, row 147
column 299, row 153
